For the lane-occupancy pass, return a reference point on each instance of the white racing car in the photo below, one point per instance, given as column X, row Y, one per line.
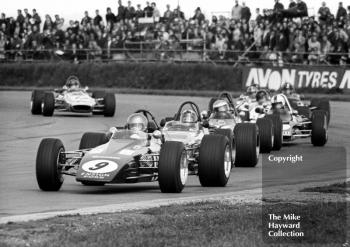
column 72, row 98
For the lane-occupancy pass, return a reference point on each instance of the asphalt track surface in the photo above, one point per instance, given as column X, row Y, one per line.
column 21, row 133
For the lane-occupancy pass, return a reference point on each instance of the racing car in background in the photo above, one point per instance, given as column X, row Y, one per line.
column 243, row 139
column 138, row 152
column 296, row 125
column 72, row 98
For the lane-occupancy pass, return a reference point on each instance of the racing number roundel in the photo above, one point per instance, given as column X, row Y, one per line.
column 100, row 166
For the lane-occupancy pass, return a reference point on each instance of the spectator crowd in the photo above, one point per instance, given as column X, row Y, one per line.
column 284, row 34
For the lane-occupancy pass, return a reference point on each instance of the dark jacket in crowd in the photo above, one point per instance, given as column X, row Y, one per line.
column 148, row 11
column 97, row 20
column 341, row 13
column 245, row 13
column 110, row 17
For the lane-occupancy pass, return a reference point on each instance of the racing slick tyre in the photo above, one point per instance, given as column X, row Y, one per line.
column 229, row 134
column 48, row 159
column 278, row 131
column 172, row 167
column 215, row 161
column 325, row 106
column 211, row 103
column 314, row 102
column 247, row 145
column 109, row 101
column 319, row 135
column 36, row 100
column 266, row 134
column 91, row 140
column 48, row 104
column 304, row 111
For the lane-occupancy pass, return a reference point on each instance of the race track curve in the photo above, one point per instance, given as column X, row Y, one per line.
column 20, row 135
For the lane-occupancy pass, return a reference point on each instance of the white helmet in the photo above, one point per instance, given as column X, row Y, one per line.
column 221, row 106
column 188, row 116
column 278, row 100
column 137, row 122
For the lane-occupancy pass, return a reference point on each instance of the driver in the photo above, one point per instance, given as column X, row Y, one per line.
column 72, row 83
column 278, row 103
column 251, row 92
column 221, row 110
column 188, row 117
column 137, row 122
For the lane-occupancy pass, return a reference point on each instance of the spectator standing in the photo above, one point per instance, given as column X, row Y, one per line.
column 20, row 17
column 48, row 24
column 121, row 11
column 245, row 12
column 156, row 12
column 110, row 17
column 324, row 13
column 236, row 13
column 148, row 10
column 314, row 49
column 259, row 17
column 168, row 14
column 36, row 19
column 139, row 13
column 292, row 4
column 199, row 16
column 278, row 6
column 26, row 14
column 129, row 11
column 86, row 19
column 98, row 18
column 341, row 13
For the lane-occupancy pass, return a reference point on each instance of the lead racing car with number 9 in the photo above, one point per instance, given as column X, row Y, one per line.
column 138, row 152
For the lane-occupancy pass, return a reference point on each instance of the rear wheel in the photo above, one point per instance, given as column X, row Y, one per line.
column 91, row 140
column 319, row 135
column 36, row 100
column 48, row 104
column 215, row 160
column 172, row 167
column 277, row 131
column 109, row 102
column 247, row 145
column 48, row 168
column 266, row 134
column 324, row 105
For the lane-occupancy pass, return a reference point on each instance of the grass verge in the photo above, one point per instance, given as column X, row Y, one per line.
column 338, row 188
column 200, row 224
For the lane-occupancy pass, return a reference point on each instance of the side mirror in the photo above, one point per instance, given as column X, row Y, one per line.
column 205, row 124
column 157, row 134
column 162, row 123
column 204, row 114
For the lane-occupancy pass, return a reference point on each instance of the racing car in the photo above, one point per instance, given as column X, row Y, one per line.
column 193, row 130
column 138, row 152
column 72, row 98
column 296, row 125
column 269, row 126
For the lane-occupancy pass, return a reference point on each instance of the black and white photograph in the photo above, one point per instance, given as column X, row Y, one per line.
column 174, row 123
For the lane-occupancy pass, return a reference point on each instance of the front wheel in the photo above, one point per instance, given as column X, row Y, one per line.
column 35, row 102
column 215, row 161
column 48, row 164
column 91, row 140
column 172, row 167
column 277, row 131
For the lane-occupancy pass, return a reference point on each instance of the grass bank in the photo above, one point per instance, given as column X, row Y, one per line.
column 200, row 224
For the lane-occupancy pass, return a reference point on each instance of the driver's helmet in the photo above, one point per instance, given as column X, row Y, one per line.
column 188, row 117
column 72, row 82
column 287, row 89
column 261, row 97
column 278, row 102
column 137, row 122
column 251, row 91
column 221, row 106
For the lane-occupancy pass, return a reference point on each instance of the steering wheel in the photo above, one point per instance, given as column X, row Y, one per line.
column 152, row 125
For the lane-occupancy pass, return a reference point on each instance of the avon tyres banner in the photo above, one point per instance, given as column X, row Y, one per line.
column 299, row 76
